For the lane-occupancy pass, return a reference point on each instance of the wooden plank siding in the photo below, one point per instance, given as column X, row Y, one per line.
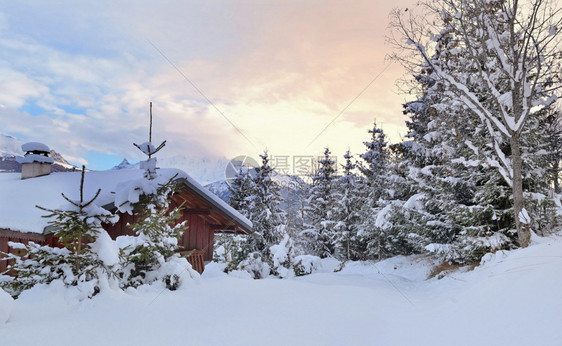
column 198, row 235
column 7, row 236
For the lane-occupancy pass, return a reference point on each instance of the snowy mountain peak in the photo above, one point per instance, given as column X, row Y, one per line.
column 10, row 146
column 125, row 164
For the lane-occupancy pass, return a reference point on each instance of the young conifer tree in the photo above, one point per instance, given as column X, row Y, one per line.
column 157, row 241
column 375, row 187
column 346, row 214
column 157, row 231
column 235, row 247
column 269, row 222
column 77, row 263
column 321, row 232
column 268, row 219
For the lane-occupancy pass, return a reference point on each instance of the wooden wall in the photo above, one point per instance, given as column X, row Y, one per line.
column 120, row 228
column 197, row 236
column 24, row 238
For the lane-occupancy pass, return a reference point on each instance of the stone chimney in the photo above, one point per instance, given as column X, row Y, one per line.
column 36, row 161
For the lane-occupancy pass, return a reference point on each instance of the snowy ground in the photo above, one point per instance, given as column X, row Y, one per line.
column 514, row 298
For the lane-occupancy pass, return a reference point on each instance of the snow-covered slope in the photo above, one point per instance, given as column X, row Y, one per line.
column 514, row 298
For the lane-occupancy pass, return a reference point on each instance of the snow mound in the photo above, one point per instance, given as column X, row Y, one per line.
column 35, row 146
column 6, row 306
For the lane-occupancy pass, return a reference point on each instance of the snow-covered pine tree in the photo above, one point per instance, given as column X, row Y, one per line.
column 268, row 218
column 459, row 211
column 346, row 212
column 234, row 248
column 77, row 227
column 152, row 254
column 321, row 231
column 374, row 234
column 158, row 234
column 505, row 70
column 241, row 188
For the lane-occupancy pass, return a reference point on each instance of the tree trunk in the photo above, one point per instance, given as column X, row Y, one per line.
column 556, row 176
column 523, row 231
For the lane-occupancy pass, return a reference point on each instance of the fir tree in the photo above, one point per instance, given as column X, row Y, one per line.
column 235, row 248
column 77, row 228
column 144, row 260
column 346, row 214
column 321, row 232
column 467, row 210
column 256, row 196
column 268, row 218
column 241, row 188
column 158, row 234
column 375, row 187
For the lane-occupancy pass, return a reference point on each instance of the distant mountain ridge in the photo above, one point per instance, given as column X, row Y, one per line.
column 10, row 148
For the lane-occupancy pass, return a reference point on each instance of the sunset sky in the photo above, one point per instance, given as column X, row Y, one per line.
column 79, row 76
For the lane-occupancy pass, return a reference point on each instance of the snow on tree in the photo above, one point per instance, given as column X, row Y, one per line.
column 257, row 196
column 268, row 218
column 283, row 257
column 373, row 240
column 234, row 248
column 464, row 212
column 79, row 262
column 509, row 52
column 321, row 230
column 346, row 212
column 156, row 242
column 151, row 255
column 241, row 189
column 554, row 147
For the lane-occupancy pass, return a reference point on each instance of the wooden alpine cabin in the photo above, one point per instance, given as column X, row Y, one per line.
column 21, row 221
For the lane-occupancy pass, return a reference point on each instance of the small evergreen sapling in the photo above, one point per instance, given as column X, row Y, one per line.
column 157, row 239
column 77, row 227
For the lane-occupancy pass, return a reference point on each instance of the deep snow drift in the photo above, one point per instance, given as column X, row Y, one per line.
column 513, row 298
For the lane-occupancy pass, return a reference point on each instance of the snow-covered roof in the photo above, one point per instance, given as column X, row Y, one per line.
column 216, row 201
column 35, row 146
column 19, row 197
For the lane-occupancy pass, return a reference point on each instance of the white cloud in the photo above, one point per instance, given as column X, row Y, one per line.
column 279, row 71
